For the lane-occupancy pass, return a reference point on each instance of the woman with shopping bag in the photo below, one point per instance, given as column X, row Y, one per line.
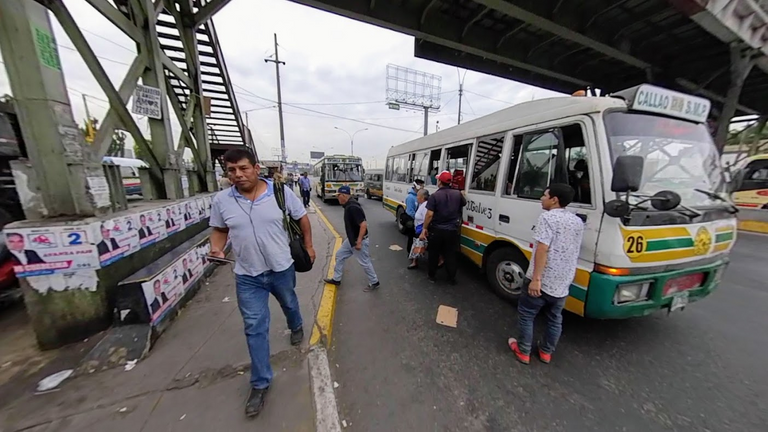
column 419, row 248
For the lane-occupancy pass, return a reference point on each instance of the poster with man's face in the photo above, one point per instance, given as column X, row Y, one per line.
column 151, row 227
column 190, row 212
column 116, row 238
column 48, row 250
column 161, row 293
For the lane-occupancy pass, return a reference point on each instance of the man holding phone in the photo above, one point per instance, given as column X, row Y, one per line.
column 248, row 214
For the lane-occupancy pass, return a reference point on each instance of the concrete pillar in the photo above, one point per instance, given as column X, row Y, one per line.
column 63, row 175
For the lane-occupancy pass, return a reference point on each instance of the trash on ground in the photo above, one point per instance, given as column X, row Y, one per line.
column 5, row 364
column 395, row 248
column 226, row 300
column 53, row 381
column 344, row 423
column 130, row 364
column 38, row 393
column 182, row 417
column 240, row 372
column 335, row 384
column 447, row 316
column 123, row 409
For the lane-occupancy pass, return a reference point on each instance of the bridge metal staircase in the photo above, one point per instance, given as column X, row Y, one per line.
column 224, row 123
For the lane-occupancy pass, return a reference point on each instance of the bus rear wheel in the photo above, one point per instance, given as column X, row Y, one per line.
column 398, row 218
column 505, row 270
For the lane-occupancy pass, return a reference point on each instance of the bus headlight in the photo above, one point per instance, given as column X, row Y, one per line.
column 630, row 292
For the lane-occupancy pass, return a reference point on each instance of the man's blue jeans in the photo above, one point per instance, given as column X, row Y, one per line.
column 363, row 257
column 253, row 300
column 527, row 309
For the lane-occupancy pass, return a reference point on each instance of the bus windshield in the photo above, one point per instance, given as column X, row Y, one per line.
column 679, row 155
column 343, row 172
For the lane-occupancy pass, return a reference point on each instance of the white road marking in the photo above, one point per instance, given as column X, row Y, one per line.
column 327, row 415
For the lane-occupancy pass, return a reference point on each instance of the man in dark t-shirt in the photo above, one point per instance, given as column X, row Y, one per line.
column 356, row 243
column 442, row 226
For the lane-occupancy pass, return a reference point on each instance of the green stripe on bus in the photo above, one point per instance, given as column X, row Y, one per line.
column 468, row 242
column 578, row 293
column 665, row 244
column 723, row 237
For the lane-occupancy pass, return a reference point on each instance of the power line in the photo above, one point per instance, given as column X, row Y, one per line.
column 103, row 58
column 488, row 97
column 110, row 41
column 470, row 107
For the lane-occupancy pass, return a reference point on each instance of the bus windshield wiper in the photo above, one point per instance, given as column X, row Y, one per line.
column 731, row 208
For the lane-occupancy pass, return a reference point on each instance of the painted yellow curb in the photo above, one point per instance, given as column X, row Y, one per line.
column 323, row 328
column 754, row 226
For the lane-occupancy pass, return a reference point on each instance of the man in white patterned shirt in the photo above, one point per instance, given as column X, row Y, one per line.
column 557, row 240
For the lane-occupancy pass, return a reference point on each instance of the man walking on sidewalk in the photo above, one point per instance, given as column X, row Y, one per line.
column 442, row 225
column 249, row 215
column 557, row 241
column 356, row 229
column 305, row 187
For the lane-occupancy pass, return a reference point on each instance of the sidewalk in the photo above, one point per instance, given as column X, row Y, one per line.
column 196, row 376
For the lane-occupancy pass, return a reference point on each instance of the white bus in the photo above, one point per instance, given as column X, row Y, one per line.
column 639, row 254
column 333, row 171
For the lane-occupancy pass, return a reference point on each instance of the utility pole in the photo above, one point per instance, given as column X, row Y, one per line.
column 426, row 120
column 461, row 90
column 87, row 112
column 277, row 63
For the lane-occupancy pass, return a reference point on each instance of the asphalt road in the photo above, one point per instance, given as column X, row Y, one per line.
column 702, row 369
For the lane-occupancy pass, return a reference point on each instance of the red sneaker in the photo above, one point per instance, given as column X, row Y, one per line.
column 522, row 358
column 544, row 357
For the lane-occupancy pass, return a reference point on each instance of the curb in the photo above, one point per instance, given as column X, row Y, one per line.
column 323, row 329
column 753, row 226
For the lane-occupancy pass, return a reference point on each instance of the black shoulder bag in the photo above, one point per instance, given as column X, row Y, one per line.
column 301, row 261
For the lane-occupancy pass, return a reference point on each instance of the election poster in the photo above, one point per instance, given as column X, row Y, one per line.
column 162, row 292
column 116, row 238
column 190, row 212
column 48, row 250
column 151, row 227
column 200, row 203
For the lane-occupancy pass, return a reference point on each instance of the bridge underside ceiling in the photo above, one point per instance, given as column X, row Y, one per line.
column 567, row 45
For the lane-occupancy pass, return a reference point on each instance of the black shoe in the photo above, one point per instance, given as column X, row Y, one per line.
column 452, row 282
column 332, row 281
column 372, row 287
column 255, row 402
column 297, row 336
column 413, row 267
column 432, row 279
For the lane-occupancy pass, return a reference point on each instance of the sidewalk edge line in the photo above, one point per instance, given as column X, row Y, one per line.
column 323, row 328
column 326, row 411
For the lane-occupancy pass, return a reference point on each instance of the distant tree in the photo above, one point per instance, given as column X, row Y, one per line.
column 117, row 146
column 140, row 153
column 89, row 134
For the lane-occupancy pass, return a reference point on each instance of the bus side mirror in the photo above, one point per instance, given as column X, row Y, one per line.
column 617, row 208
column 627, row 174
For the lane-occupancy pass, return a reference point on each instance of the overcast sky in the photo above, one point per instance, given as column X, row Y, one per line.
column 330, row 60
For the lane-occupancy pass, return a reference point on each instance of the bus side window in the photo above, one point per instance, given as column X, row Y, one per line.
column 456, row 163
column 388, row 170
column 517, row 142
column 576, row 159
column 539, row 163
column 421, row 166
column 486, row 163
column 434, row 164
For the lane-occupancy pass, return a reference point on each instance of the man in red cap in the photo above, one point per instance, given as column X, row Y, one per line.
column 442, row 226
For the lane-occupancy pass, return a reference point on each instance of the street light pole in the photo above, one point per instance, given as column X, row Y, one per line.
column 351, row 138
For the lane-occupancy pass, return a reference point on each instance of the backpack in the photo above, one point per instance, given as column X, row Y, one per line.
column 301, row 260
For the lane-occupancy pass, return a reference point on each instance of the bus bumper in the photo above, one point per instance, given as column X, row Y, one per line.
column 600, row 300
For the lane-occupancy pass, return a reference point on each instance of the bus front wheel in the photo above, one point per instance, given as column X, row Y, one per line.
column 505, row 271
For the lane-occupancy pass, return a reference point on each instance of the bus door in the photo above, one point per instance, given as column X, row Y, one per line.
column 563, row 152
column 482, row 186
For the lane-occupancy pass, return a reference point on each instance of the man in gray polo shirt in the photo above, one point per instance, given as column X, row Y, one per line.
column 248, row 214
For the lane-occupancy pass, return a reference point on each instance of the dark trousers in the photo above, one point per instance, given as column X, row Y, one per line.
column 445, row 243
column 527, row 309
column 411, row 233
column 305, row 197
